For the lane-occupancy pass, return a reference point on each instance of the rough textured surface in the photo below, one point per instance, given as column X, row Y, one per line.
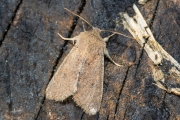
column 7, row 14
column 30, row 51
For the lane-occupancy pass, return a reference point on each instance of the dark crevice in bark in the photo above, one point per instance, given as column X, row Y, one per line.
column 139, row 60
column 107, row 117
column 124, row 117
column 75, row 19
column 151, row 23
column 1, row 41
column 82, row 115
column 154, row 15
column 140, row 57
column 98, row 116
column 120, row 92
column 49, row 3
column 11, row 21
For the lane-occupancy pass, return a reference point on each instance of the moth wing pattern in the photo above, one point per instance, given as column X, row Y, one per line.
column 89, row 93
column 64, row 82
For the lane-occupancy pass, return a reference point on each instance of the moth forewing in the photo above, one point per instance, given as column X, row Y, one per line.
column 90, row 83
column 82, row 71
column 64, row 81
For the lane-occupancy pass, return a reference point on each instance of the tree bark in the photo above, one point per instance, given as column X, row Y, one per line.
column 31, row 51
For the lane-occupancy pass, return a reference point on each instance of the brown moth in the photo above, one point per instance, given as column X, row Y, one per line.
column 82, row 71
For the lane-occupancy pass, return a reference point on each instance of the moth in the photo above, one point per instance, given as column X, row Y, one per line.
column 82, row 71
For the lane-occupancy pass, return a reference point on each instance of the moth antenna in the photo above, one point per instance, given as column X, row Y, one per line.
column 118, row 33
column 79, row 17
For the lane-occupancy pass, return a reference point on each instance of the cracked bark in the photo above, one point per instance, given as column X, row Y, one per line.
column 31, row 50
column 11, row 7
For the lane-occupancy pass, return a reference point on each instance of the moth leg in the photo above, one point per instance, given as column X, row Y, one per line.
column 107, row 38
column 107, row 55
column 83, row 26
column 73, row 39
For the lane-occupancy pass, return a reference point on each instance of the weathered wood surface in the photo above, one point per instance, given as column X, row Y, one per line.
column 30, row 51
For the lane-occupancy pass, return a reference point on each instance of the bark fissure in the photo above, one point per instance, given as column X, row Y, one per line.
column 11, row 21
column 8, row 89
column 151, row 23
column 120, row 92
column 154, row 14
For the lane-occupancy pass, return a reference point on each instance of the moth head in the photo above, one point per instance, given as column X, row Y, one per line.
column 96, row 30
